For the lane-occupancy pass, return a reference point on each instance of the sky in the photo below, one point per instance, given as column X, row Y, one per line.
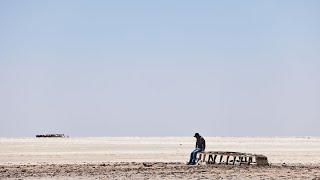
column 160, row 68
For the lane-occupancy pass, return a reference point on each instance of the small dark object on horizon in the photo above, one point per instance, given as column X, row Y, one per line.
column 51, row 135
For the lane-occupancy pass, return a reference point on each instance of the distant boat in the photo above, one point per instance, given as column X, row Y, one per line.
column 51, row 135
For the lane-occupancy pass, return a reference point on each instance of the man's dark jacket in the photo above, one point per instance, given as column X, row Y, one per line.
column 201, row 143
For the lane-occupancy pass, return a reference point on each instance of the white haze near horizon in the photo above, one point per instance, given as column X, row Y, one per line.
column 160, row 69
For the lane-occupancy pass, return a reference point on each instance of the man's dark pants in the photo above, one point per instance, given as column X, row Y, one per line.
column 193, row 156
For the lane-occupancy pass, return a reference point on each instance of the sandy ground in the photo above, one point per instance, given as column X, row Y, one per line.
column 156, row 171
column 154, row 158
column 289, row 150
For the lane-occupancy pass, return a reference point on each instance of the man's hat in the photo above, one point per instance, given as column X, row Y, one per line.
column 196, row 135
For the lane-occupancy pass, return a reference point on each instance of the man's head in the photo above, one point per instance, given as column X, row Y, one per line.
column 196, row 135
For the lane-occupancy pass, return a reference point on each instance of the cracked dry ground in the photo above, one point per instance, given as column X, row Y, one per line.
column 156, row 171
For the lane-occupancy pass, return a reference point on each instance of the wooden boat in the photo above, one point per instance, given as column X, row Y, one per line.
column 231, row 158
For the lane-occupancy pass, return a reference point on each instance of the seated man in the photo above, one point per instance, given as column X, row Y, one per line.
column 200, row 146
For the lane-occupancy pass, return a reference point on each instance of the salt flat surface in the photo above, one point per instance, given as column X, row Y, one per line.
column 290, row 150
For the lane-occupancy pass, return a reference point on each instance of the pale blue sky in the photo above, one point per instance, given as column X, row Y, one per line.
column 165, row 68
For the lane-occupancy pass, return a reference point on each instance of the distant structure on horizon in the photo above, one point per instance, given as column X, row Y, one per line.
column 51, row 135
